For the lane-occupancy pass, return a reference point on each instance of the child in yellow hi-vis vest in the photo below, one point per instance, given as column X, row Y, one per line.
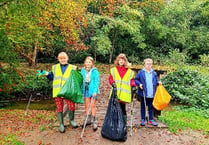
column 122, row 78
column 60, row 73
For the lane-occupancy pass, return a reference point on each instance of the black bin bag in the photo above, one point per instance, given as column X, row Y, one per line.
column 114, row 126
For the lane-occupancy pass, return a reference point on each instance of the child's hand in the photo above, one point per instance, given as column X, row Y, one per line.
column 114, row 87
column 141, row 86
column 39, row 73
column 42, row 72
column 94, row 95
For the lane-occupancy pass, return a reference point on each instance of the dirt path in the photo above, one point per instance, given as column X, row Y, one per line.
column 148, row 135
column 142, row 136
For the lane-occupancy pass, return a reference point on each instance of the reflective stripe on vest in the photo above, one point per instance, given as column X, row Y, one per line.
column 59, row 78
column 123, row 85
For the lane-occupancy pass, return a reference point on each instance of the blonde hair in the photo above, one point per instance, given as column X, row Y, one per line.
column 91, row 59
column 122, row 56
column 62, row 54
column 148, row 60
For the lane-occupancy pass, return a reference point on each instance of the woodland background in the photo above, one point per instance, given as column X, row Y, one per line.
column 174, row 33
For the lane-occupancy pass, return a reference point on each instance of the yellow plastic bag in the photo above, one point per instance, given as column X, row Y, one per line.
column 161, row 99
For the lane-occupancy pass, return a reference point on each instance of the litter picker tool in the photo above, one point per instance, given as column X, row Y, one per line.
column 87, row 117
column 145, row 104
column 132, row 105
column 26, row 112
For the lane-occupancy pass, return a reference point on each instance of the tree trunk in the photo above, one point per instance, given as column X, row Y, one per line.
column 95, row 54
column 112, row 48
column 34, row 55
column 111, row 53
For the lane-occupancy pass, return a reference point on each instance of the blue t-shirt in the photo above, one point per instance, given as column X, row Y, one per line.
column 148, row 77
column 63, row 68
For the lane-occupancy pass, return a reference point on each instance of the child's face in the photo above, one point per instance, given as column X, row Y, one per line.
column 148, row 65
column 88, row 64
column 63, row 59
column 121, row 62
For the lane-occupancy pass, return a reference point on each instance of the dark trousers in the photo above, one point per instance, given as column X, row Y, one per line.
column 150, row 108
column 123, row 107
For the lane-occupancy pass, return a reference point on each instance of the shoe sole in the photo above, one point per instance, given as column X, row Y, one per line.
column 62, row 131
column 86, row 125
column 75, row 126
column 153, row 124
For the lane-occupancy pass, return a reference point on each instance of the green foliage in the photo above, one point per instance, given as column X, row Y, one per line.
column 205, row 12
column 188, row 87
column 43, row 128
column 10, row 139
column 182, row 118
column 204, row 60
column 21, row 23
column 198, row 43
column 139, row 29
column 101, row 43
column 178, row 25
column 42, row 88
column 52, row 26
column 134, row 59
column 116, row 34
column 8, row 54
column 8, row 64
column 175, row 57
column 199, row 68
column 77, row 56
column 9, row 77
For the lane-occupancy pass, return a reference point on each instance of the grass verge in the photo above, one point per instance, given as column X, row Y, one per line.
column 182, row 118
column 9, row 139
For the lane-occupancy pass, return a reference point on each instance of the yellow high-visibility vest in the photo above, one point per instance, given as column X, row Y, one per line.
column 123, row 85
column 59, row 78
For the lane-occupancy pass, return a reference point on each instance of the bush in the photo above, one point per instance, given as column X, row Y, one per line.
column 188, row 87
column 42, row 88
column 204, row 60
column 134, row 59
column 176, row 57
column 9, row 78
column 9, row 75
